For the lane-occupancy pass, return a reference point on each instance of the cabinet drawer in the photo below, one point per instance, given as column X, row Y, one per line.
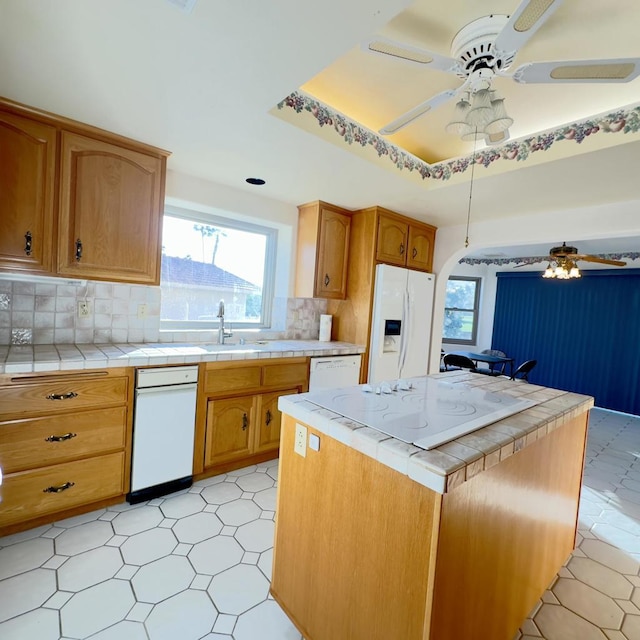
column 232, row 379
column 36, row 442
column 289, row 375
column 54, row 396
column 24, row 494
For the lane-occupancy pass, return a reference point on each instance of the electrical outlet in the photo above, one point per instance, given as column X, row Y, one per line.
column 142, row 311
column 300, row 442
column 84, row 311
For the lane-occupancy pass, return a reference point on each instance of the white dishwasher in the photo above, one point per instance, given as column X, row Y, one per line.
column 333, row 372
column 163, row 431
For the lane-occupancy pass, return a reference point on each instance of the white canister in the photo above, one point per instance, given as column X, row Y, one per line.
column 325, row 328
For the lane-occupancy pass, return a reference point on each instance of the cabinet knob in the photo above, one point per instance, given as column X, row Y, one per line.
column 414, row 253
column 268, row 418
column 327, row 279
column 78, row 249
column 66, row 436
column 28, row 243
column 401, row 248
column 59, row 488
column 245, row 421
column 62, row 396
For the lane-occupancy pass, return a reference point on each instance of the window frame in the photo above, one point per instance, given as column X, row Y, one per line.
column 268, row 283
column 475, row 310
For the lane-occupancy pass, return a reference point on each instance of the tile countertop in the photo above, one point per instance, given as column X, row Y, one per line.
column 59, row 357
column 449, row 465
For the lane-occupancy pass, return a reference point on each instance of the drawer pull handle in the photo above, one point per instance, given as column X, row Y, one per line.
column 66, row 436
column 245, row 421
column 269, row 417
column 28, row 243
column 62, row 396
column 60, row 489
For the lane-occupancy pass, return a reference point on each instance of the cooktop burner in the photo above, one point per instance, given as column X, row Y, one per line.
column 423, row 411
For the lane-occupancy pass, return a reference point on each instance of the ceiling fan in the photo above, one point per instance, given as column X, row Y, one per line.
column 484, row 49
column 565, row 259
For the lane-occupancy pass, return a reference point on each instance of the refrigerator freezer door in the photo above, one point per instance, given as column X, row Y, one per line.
column 387, row 323
column 420, row 288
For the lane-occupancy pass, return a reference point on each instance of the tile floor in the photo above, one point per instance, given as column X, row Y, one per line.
column 197, row 564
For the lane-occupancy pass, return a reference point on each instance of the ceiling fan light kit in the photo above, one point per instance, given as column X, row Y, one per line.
column 563, row 262
column 485, row 48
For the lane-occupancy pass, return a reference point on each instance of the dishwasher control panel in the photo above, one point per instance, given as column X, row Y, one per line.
column 164, row 376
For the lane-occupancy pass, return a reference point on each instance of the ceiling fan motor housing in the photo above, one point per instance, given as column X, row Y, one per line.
column 563, row 252
column 473, row 46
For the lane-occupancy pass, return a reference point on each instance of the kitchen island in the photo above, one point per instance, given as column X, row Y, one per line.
column 379, row 539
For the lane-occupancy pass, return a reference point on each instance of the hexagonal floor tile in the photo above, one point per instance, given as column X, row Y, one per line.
column 135, row 521
column 266, row 499
column 181, row 506
column 96, row 608
column 610, row 556
column 558, row 623
column 599, row 577
column 255, row 482
column 188, row 616
column 25, row 592
column 221, row 493
column 238, row 589
column 148, row 546
column 215, row 555
column 265, row 564
column 83, row 538
column 24, row 556
column 256, row 535
column 42, row 624
column 125, row 630
column 81, row 519
column 163, row 578
column 89, row 568
column 22, row 536
column 238, row 512
column 197, row 527
column 267, row 622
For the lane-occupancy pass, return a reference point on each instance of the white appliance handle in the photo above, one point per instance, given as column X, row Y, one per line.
column 404, row 339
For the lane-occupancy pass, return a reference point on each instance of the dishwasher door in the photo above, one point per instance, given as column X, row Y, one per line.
column 334, row 372
column 163, row 439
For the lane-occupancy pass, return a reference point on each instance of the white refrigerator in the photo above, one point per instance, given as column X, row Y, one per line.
column 400, row 323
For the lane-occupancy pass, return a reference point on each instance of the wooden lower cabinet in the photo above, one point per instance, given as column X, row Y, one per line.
column 65, row 444
column 238, row 421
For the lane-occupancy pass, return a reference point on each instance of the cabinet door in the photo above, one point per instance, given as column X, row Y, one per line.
column 269, row 420
column 333, row 254
column 392, row 240
column 420, row 252
column 110, row 208
column 27, row 158
column 229, row 429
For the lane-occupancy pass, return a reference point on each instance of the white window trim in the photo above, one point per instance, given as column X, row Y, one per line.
column 268, row 285
column 475, row 310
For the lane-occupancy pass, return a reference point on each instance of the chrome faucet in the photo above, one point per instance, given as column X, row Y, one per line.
column 221, row 332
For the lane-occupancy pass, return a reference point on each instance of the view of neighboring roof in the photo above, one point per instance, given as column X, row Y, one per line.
column 187, row 271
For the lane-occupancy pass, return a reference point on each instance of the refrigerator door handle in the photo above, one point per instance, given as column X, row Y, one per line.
column 404, row 340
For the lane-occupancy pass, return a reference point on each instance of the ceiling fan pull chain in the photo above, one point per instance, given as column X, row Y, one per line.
column 473, row 166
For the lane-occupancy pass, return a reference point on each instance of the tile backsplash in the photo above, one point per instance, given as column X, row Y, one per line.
column 46, row 312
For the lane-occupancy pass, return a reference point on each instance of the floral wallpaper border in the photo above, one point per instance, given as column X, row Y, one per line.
column 625, row 120
column 629, row 255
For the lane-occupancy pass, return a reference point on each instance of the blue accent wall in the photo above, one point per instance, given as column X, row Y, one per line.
column 584, row 333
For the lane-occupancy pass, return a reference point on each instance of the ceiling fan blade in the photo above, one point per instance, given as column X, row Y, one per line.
column 421, row 109
column 523, row 23
column 615, row 263
column 613, row 70
column 407, row 53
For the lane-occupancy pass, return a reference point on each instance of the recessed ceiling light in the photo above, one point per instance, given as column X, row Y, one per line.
column 255, row 181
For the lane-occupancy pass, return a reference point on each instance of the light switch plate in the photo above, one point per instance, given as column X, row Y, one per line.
column 314, row 442
column 300, row 442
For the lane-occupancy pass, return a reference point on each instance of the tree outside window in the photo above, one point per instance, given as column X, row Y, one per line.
column 461, row 310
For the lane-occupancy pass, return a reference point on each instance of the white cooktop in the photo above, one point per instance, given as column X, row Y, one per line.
column 428, row 414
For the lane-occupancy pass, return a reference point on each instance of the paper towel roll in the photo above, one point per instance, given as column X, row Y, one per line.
column 325, row 328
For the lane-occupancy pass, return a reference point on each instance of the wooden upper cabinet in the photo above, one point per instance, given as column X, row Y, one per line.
column 110, row 211
column 323, row 251
column 27, row 180
column 420, row 248
column 391, row 246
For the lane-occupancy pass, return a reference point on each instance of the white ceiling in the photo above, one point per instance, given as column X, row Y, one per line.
column 202, row 84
